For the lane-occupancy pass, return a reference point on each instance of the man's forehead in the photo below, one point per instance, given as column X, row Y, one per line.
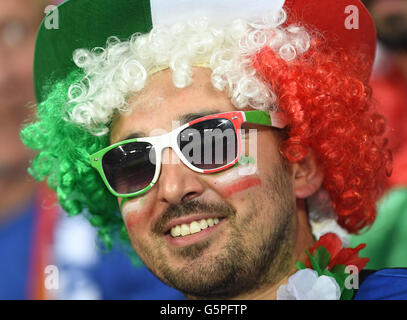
column 160, row 88
column 160, row 103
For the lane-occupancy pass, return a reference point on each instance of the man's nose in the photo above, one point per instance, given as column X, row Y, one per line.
column 177, row 183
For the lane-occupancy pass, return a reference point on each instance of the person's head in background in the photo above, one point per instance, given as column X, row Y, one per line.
column 19, row 21
column 390, row 17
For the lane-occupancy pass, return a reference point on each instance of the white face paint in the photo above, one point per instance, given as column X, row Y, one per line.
column 132, row 206
column 248, row 169
column 237, row 173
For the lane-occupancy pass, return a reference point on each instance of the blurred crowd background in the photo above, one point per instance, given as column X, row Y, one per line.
column 34, row 232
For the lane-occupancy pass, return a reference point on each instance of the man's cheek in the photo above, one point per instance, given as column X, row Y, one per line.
column 133, row 212
column 240, row 185
column 237, row 180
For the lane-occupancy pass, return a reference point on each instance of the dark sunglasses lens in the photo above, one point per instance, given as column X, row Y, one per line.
column 129, row 168
column 209, row 144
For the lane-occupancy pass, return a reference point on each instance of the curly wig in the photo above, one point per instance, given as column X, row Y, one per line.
column 330, row 111
column 264, row 66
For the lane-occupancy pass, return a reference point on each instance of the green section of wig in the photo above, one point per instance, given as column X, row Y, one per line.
column 63, row 161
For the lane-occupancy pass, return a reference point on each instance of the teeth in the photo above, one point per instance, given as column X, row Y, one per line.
column 203, row 224
column 193, row 227
column 185, row 230
column 176, row 231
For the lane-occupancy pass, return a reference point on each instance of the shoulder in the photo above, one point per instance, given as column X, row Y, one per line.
column 384, row 284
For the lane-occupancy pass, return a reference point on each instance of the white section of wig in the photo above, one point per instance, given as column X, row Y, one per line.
column 113, row 73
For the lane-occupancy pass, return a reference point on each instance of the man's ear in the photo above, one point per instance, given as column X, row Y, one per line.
column 307, row 175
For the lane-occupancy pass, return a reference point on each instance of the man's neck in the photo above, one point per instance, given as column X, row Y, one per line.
column 268, row 293
column 303, row 240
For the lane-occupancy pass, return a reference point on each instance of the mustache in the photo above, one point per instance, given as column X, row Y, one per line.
column 221, row 209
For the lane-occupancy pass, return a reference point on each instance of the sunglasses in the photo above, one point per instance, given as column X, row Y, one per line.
column 206, row 145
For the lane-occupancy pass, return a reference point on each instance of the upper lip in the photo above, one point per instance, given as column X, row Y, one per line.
column 188, row 220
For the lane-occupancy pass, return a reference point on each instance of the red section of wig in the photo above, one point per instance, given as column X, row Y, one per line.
column 329, row 109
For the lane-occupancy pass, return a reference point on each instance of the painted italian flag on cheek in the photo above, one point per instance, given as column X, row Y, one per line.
column 89, row 23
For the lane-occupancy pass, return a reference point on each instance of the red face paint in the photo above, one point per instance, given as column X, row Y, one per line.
column 240, row 185
column 132, row 212
column 131, row 220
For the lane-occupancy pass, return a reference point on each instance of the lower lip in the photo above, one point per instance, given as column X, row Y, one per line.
column 192, row 238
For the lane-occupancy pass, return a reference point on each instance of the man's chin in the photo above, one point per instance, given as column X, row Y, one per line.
column 207, row 270
column 197, row 270
column 189, row 255
column 203, row 277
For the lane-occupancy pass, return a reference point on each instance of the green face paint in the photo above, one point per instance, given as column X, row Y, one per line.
column 246, row 160
column 243, row 160
column 124, row 200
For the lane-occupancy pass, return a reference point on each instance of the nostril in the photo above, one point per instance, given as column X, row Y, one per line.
column 189, row 196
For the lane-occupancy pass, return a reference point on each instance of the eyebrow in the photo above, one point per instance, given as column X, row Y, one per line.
column 193, row 116
column 182, row 119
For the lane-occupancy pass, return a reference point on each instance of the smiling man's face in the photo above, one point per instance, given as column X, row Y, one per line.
column 251, row 246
